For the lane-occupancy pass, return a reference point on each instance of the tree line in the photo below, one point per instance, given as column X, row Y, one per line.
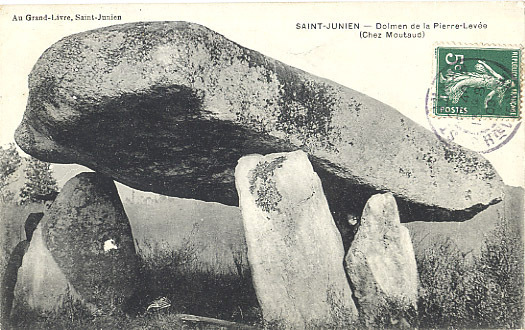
column 38, row 177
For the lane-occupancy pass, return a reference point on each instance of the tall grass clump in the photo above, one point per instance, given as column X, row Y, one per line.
column 502, row 283
column 196, row 288
column 473, row 291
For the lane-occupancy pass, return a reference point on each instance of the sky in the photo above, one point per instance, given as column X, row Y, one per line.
column 396, row 72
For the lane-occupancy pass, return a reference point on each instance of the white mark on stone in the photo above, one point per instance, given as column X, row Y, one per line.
column 110, row 245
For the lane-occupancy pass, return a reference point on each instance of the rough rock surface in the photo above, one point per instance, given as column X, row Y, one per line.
column 9, row 277
column 170, row 107
column 14, row 262
column 294, row 249
column 381, row 263
column 41, row 285
column 32, row 221
column 89, row 236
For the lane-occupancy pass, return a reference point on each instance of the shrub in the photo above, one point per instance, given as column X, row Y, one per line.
column 39, row 181
column 501, row 282
column 460, row 290
column 395, row 314
column 10, row 161
column 443, row 274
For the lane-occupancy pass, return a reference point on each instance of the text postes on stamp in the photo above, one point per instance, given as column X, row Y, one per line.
column 477, row 82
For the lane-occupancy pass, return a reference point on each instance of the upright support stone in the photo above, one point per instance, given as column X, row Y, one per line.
column 294, row 249
column 85, row 243
column 13, row 264
column 381, row 263
column 41, row 285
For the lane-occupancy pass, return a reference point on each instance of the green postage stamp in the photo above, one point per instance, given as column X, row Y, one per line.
column 478, row 82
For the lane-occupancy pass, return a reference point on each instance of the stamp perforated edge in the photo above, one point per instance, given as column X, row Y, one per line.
column 521, row 101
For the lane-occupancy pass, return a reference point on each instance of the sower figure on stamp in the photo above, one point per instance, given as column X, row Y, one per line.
column 483, row 77
column 16, row 256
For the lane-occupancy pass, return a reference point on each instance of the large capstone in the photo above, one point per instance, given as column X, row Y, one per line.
column 170, row 107
column 294, row 249
column 89, row 236
column 380, row 263
column 469, row 236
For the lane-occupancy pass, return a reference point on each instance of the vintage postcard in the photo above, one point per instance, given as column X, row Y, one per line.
column 262, row 165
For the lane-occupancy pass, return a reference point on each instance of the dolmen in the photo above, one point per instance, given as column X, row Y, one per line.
column 178, row 109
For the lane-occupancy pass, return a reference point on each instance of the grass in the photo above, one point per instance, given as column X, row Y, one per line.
column 164, row 320
column 486, row 291
column 458, row 290
column 195, row 288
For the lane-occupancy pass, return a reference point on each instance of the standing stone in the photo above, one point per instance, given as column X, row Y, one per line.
column 380, row 262
column 294, row 249
column 13, row 264
column 9, row 279
column 87, row 235
column 41, row 285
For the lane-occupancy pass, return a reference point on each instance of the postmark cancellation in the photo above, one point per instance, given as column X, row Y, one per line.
column 475, row 98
